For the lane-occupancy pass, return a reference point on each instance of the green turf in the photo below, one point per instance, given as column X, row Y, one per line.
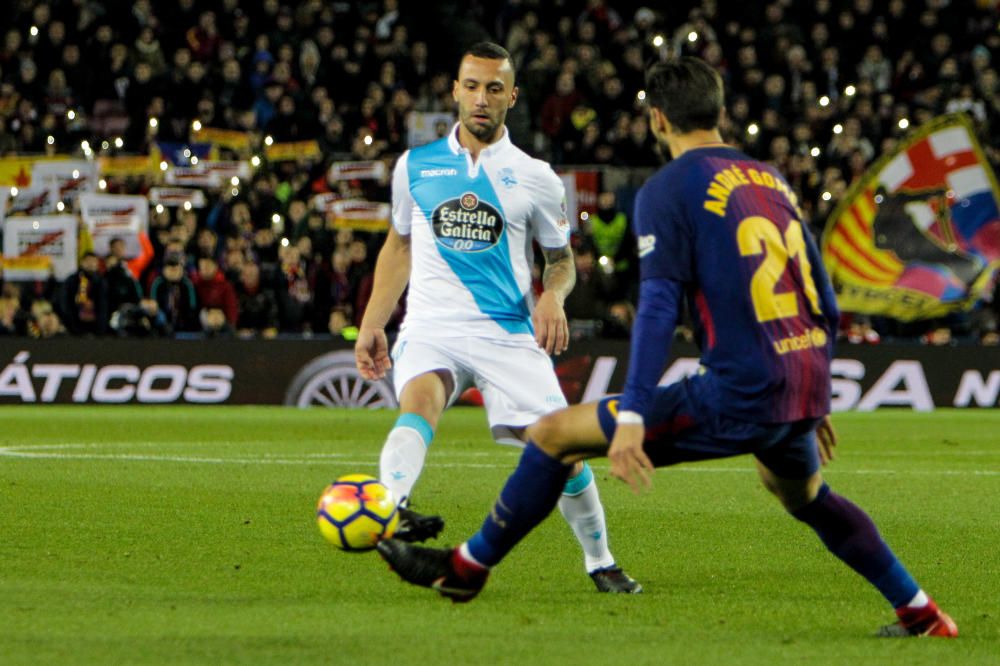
column 185, row 535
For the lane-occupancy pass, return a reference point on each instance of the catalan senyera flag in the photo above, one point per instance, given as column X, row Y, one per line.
column 918, row 236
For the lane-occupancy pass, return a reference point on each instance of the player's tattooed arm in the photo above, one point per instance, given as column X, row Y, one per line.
column 549, row 318
column 560, row 271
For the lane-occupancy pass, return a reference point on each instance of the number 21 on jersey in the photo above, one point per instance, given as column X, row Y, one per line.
column 756, row 235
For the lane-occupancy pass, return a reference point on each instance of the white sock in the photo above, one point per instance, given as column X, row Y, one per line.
column 402, row 460
column 582, row 509
column 466, row 554
column 919, row 600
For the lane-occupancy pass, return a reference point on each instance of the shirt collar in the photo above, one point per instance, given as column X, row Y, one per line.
column 496, row 147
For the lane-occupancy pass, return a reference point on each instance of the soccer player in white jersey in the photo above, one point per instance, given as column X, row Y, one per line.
column 465, row 211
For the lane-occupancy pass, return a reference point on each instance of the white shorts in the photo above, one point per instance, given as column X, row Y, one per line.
column 516, row 379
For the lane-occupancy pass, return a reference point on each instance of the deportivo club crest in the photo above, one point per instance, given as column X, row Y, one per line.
column 506, row 176
column 467, row 224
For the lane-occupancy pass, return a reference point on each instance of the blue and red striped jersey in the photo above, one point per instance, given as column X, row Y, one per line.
column 728, row 228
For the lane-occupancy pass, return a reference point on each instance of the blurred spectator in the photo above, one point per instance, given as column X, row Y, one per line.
column 258, row 305
column 207, row 244
column 986, row 317
column 140, row 320
column 147, row 51
column 332, row 287
column 214, row 291
column 314, row 227
column 294, row 292
column 608, row 231
column 361, row 277
column 204, row 39
column 122, row 287
column 266, row 106
column 556, row 110
column 265, row 247
column 637, row 147
column 588, row 301
column 175, row 295
column 339, row 325
column 214, row 323
column 875, row 68
column 85, row 299
column 618, row 321
column 44, row 322
column 12, row 319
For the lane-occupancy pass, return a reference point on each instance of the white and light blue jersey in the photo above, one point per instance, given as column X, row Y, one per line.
column 471, row 226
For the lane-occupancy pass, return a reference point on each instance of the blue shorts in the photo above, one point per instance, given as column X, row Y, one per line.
column 678, row 431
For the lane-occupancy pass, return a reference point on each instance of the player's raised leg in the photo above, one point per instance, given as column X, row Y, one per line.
column 850, row 534
column 519, row 387
column 421, row 401
column 531, row 493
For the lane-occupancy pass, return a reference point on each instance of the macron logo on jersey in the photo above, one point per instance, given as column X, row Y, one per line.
column 431, row 173
column 647, row 244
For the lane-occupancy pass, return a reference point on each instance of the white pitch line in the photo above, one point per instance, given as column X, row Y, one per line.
column 957, row 453
column 10, row 452
column 30, row 448
column 490, row 449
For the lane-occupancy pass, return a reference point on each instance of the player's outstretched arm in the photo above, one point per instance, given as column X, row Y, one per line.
column 392, row 273
column 549, row 317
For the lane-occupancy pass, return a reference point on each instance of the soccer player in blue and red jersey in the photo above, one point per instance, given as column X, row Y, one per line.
column 723, row 233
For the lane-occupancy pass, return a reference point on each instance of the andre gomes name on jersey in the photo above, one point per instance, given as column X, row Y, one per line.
column 467, row 223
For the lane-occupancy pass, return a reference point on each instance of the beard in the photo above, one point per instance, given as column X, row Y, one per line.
column 484, row 132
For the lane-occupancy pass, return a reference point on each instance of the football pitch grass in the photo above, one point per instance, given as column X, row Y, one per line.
column 186, row 535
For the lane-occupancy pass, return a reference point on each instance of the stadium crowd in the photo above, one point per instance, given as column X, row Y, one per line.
column 820, row 89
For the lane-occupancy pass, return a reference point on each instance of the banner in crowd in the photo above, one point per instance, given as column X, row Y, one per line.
column 69, row 178
column 180, row 153
column 110, row 216
column 199, row 175
column 34, row 199
column 323, row 202
column 229, row 169
column 16, row 171
column 918, row 236
column 293, row 151
column 426, row 126
column 130, row 165
column 365, row 170
column 53, row 236
column 28, row 267
column 359, row 215
column 321, row 373
column 177, row 197
column 223, row 138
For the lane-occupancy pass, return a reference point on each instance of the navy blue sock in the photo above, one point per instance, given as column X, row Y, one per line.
column 850, row 534
column 530, row 494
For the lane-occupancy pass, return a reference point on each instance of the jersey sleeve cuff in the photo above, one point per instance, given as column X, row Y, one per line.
column 628, row 417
